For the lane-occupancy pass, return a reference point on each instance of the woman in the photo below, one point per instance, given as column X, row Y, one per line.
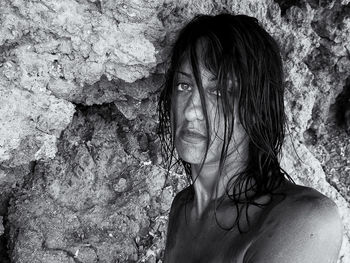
column 222, row 110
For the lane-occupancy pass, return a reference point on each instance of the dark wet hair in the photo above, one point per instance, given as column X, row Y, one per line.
column 237, row 48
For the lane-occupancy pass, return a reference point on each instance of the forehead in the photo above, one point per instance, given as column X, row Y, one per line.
column 202, row 60
column 186, row 70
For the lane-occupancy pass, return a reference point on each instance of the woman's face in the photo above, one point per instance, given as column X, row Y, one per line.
column 190, row 130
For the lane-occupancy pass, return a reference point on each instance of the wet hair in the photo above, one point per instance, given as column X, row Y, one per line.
column 236, row 48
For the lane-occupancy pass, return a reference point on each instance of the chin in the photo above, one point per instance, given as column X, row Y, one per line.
column 192, row 159
column 193, row 154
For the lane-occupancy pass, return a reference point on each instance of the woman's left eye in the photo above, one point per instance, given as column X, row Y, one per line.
column 214, row 92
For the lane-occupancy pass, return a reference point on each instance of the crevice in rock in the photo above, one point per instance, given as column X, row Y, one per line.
column 318, row 3
column 319, row 58
column 15, row 178
column 310, row 136
column 108, row 111
column 4, row 257
column 333, row 146
column 5, row 52
column 28, row 178
column 341, row 107
column 286, row 4
column 98, row 4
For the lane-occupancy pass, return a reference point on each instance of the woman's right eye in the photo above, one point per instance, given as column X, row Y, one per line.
column 183, row 87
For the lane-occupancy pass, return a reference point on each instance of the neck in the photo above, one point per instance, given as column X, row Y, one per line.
column 209, row 185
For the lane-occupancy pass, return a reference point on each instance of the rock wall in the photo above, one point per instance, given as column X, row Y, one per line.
column 80, row 170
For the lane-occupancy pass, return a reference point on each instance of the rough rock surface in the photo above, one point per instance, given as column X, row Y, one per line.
column 103, row 198
column 51, row 50
column 97, row 191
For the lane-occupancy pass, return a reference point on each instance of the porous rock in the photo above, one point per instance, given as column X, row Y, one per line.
column 95, row 198
column 50, row 51
column 97, row 192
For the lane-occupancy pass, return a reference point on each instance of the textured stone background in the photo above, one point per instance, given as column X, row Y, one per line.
column 81, row 178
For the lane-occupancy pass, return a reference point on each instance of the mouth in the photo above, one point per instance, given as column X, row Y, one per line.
column 192, row 136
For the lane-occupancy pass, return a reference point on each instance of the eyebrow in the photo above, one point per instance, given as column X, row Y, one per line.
column 184, row 73
column 190, row 76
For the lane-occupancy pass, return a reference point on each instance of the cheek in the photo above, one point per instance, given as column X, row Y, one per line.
column 216, row 122
column 179, row 107
column 218, row 128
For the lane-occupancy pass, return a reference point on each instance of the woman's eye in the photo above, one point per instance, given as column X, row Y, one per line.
column 183, row 87
column 214, row 92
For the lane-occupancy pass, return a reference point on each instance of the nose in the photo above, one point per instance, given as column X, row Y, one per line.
column 193, row 109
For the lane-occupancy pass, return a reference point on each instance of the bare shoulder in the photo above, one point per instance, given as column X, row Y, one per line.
column 305, row 203
column 304, row 227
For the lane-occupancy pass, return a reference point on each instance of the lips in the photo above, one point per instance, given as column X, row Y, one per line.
column 192, row 136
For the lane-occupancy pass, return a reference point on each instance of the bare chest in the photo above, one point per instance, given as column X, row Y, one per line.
column 206, row 243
